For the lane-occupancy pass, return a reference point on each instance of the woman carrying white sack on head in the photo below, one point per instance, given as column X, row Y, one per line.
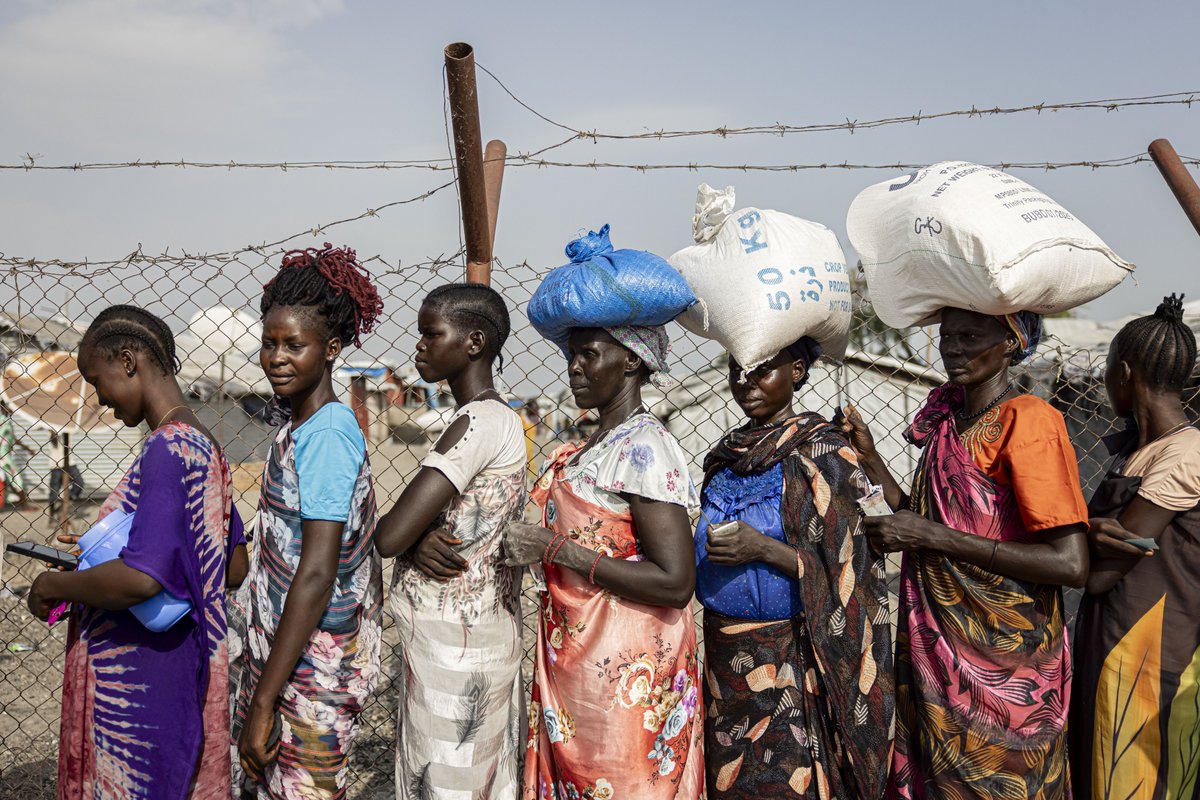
column 994, row 524
column 798, row 684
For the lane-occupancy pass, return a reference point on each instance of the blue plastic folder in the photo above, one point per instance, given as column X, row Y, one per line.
column 104, row 541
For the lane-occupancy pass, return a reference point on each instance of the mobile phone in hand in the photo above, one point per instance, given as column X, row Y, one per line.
column 53, row 556
column 1143, row 544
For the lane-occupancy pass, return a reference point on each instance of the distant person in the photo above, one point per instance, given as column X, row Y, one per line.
column 795, row 592
column 12, row 485
column 394, row 391
column 146, row 714
column 1135, row 713
column 310, row 651
column 456, row 604
column 57, row 452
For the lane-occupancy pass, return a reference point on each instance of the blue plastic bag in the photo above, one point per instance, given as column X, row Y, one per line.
column 605, row 288
column 104, row 542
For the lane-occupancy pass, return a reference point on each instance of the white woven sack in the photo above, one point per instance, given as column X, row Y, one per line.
column 960, row 235
column 764, row 279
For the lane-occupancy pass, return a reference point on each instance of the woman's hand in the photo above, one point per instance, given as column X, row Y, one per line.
column 40, row 599
column 856, row 430
column 525, row 544
column 1107, row 539
column 255, row 750
column 71, row 539
column 435, row 556
column 738, row 545
column 899, row 532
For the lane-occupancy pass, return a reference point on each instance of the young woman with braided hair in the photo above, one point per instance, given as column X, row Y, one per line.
column 1135, row 712
column 310, row 641
column 146, row 714
column 455, row 602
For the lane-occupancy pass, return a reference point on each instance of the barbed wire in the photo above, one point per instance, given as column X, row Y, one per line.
column 850, row 126
column 17, row 264
column 534, row 160
column 1125, row 161
column 30, row 161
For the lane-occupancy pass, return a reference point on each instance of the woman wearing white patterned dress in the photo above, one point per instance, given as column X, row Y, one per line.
column 456, row 604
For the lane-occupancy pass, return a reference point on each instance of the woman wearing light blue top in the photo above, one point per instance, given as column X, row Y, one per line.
column 310, row 637
column 797, row 644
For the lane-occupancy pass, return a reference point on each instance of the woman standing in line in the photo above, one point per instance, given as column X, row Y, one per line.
column 146, row 714
column 455, row 602
column 797, row 639
column 310, row 650
column 1135, row 710
column 615, row 711
column 994, row 528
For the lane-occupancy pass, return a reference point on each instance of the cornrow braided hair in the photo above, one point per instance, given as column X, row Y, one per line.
column 465, row 305
column 1161, row 347
column 123, row 327
column 332, row 281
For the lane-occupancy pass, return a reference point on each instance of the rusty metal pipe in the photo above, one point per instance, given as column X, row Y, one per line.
column 493, row 178
column 468, row 151
column 1178, row 178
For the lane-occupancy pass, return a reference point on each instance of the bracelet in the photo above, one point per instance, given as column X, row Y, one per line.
column 592, row 572
column 553, row 539
column 992, row 560
column 561, row 541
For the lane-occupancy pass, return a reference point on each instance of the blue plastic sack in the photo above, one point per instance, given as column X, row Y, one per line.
column 103, row 542
column 605, row 288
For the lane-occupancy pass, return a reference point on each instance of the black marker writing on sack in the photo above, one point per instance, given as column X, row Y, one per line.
column 930, row 226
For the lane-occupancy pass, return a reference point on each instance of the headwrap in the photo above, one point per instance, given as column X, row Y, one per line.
column 649, row 343
column 807, row 350
column 1027, row 327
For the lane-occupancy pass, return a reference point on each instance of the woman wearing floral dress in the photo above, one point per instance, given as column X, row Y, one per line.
column 312, row 604
column 615, row 709
column 456, row 603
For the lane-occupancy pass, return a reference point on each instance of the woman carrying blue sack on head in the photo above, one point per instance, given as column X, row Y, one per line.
column 614, row 708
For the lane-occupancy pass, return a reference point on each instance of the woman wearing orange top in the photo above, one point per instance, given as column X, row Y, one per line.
column 994, row 527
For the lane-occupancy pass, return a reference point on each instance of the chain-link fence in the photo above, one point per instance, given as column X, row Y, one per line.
column 67, row 454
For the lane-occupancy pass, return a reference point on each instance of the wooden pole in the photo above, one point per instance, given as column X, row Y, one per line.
column 1178, row 178
column 468, row 151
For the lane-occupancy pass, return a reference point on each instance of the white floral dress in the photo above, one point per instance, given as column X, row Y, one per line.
column 459, row 718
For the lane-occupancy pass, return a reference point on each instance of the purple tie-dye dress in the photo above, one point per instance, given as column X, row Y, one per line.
column 144, row 714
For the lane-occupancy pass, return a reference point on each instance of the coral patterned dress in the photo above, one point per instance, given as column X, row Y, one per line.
column 615, row 710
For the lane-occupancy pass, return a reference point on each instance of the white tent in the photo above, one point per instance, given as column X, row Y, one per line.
column 219, row 346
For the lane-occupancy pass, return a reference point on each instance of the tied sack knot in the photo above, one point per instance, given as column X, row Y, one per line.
column 588, row 245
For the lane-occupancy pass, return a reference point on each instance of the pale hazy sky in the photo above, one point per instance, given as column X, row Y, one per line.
column 292, row 80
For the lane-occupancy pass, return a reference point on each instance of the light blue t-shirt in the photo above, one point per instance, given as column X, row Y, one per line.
column 330, row 450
